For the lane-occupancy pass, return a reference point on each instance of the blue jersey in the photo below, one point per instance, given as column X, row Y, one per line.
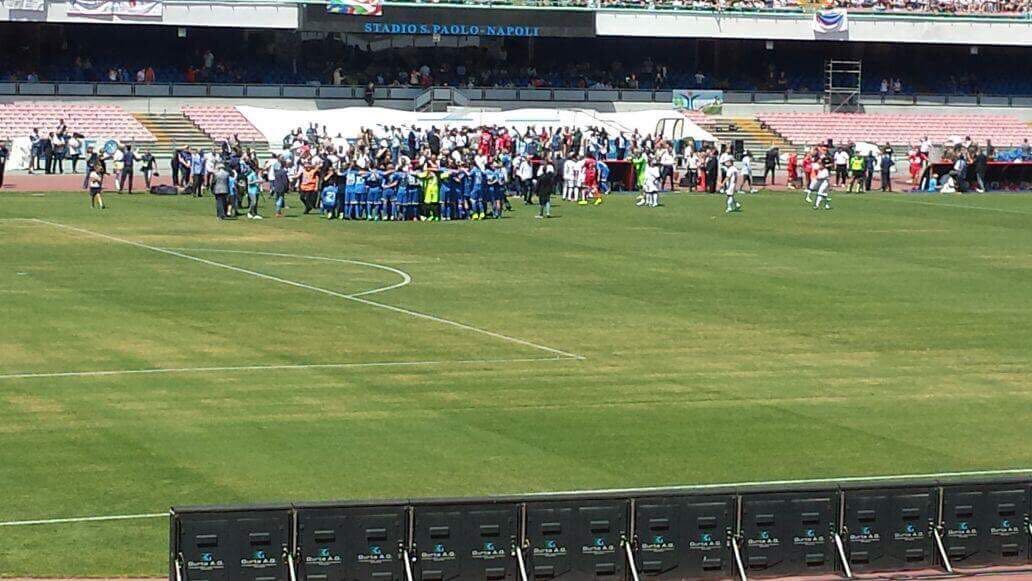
column 446, row 183
column 329, row 197
column 350, row 177
column 476, row 180
column 374, row 182
column 360, row 186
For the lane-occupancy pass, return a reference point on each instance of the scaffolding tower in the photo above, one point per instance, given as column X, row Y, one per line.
column 842, row 83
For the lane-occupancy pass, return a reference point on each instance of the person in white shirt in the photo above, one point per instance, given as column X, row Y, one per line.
column 729, row 186
column 570, row 179
column 926, row 146
column 841, row 167
column 525, row 178
column 821, row 185
column 650, row 189
column 693, row 171
column 666, row 163
column 747, row 172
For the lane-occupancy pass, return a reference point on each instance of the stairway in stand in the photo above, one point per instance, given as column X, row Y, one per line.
column 175, row 130
column 757, row 138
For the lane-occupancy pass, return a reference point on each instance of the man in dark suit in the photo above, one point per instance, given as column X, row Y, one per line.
column 711, row 172
column 4, row 154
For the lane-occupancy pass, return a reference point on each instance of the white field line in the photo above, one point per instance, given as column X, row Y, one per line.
column 286, row 366
column 77, row 519
column 302, row 285
column 631, row 491
column 844, row 479
column 945, row 205
column 405, row 277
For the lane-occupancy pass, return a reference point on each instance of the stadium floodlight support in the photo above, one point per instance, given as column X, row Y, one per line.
column 842, row 85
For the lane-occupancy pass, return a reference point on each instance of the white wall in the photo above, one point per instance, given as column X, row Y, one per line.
column 862, row 28
column 228, row 14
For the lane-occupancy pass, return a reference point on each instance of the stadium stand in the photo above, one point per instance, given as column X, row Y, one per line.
column 222, row 123
column 809, row 128
column 18, row 120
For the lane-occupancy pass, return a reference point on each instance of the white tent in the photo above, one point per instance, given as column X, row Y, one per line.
column 349, row 121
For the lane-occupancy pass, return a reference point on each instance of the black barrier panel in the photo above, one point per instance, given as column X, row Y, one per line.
column 684, row 537
column 353, row 543
column 985, row 525
column 790, row 533
column 576, row 540
column 232, row 545
column 889, row 529
column 464, row 541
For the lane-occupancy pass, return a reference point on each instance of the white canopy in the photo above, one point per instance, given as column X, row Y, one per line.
column 348, row 121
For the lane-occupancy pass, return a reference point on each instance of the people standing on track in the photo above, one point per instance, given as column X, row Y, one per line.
column 220, row 188
column 95, row 181
column 4, row 154
column 771, row 163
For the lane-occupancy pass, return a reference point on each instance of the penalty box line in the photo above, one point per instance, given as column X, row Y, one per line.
column 296, row 284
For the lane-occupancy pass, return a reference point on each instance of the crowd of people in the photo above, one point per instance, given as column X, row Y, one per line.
column 424, row 174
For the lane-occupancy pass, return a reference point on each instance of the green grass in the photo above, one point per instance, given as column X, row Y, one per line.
column 892, row 335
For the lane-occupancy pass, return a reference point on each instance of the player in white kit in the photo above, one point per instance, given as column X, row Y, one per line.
column 730, row 185
column 821, row 185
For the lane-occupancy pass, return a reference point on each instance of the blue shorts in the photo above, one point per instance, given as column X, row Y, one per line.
column 349, row 197
column 360, row 197
column 415, row 195
column 389, row 195
column 374, row 194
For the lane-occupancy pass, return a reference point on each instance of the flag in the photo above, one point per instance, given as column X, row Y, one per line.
column 356, row 7
column 35, row 5
column 835, row 20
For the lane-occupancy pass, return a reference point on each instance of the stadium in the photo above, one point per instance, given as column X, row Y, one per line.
column 515, row 289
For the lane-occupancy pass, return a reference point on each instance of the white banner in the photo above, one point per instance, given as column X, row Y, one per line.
column 134, row 8
column 34, row 5
column 826, row 21
column 145, row 8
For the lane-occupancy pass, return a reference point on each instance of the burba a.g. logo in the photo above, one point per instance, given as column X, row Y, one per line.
column 206, row 562
column 598, row 546
column 659, row 544
column 489, row 551
column 438, row 553
column 375, row 554
column 962, row 530
column 809, row 537
column 323, row 557
column 910, row 532
column 1005, row 528
column 865, row 535
column 551, row 548
column 764, row 539
column 259, row 560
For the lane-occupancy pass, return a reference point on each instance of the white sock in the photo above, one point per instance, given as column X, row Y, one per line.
column 730, row 203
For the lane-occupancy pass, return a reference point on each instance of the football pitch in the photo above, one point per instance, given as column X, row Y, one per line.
column 151, row 356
